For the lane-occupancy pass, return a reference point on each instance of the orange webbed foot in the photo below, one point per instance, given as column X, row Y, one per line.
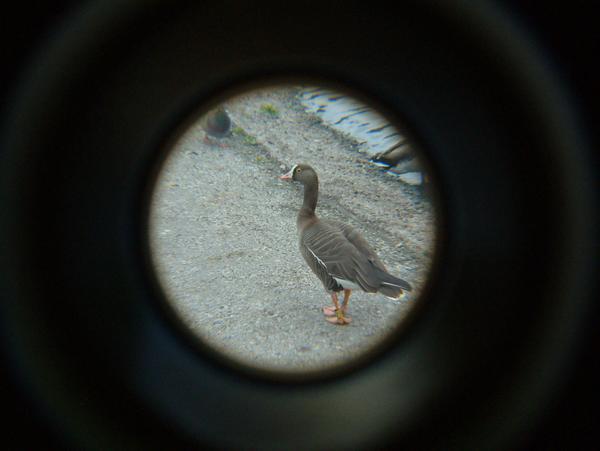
column 338, row 318
column 329, row 311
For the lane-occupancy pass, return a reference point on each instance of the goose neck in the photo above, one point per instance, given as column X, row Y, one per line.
column 311, row 195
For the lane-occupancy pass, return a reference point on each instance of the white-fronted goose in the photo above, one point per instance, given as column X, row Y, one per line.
column 216, row 123
column 337, row 253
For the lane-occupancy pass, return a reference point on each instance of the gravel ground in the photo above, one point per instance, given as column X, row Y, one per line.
column 224, row 240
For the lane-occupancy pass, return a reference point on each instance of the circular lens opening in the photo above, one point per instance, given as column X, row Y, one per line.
column 250, row 278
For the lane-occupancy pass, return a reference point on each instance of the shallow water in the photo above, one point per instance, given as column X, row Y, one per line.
column 348, row 115
column 373, row 133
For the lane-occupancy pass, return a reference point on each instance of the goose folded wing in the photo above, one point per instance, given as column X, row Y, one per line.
column 359, row 243
column 330, row 251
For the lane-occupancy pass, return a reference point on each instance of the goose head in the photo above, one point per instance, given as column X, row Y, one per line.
column 302, row 173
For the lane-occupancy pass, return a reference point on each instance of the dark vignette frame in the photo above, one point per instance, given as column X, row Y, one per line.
column 77, row 324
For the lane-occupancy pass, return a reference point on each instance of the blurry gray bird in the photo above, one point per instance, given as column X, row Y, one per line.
column 399, row 160
column 216, row 124
column 394, row 155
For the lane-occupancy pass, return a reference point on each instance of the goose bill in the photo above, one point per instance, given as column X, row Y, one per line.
column 288, row 175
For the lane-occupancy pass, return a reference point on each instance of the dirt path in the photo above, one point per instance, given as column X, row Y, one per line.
column 225, row 242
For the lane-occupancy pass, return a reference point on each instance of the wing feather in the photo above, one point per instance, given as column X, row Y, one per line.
column 333, row 249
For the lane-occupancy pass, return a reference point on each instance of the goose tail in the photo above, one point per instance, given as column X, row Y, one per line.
column 391, row 286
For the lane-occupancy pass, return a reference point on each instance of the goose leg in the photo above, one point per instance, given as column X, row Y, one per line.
column 330, row 311
column 347, row 294
column 338, row 313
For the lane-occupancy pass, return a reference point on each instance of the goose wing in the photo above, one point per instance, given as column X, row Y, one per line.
column 359, row 243
column 333, row 257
